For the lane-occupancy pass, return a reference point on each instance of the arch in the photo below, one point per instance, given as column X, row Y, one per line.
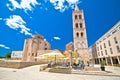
column 45, row 48
column 76, row 17
column 81, row 26
column 81, row 34
column 76, row 25
column 77, row 34
column 80, row 17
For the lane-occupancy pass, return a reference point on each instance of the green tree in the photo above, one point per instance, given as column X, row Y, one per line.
column 2, row 56
column 102, row 63
column 8, row 55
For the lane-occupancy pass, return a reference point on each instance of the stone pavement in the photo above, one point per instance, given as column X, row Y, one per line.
column 113, row 69
column 32, row 73
column 109, row 71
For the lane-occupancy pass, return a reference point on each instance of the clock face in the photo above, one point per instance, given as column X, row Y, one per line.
column 81, row 45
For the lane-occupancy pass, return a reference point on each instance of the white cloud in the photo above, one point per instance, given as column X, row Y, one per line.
column 45, row 39
column 3, row 46
column 58, row 4
column 72, row 1
column 0, row 18
column 24, row 4
column 57, row 38
column 62, row 5
column 16, row 22
column 30, row 17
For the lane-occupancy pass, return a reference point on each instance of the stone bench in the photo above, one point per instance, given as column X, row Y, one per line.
column 43, row 67
column 92, row 69
column 60, row 70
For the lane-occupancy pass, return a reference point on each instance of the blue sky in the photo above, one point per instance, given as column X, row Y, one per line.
column 20, row 19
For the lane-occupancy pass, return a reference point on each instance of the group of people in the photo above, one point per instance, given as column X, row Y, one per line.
column 51, row 64
column 77, row 64
column 59, row 63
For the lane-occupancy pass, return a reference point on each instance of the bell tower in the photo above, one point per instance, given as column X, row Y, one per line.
column 79, row 34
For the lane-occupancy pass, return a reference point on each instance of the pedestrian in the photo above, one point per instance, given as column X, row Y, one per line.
column 52, row 64
column 82, row 65
column 49, row 64
column 88, row 63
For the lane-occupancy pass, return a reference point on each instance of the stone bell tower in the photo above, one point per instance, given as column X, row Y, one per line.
column 79, row 34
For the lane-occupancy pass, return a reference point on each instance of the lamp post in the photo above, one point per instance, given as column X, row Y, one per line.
column 55, row 59
column 70, row 52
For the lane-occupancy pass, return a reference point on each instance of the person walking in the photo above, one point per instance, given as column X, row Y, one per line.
column 82, row 65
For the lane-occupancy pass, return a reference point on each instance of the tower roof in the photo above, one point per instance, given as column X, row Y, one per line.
column 76, row 7
column 38, row 36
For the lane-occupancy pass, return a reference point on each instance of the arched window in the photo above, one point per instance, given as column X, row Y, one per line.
column 75, row 16
column 36, row 54
column 81, row 25
column 45, row 48
column 76, row 25
column 45, row 44
column 81, row 34
column 77, row 34
column 80, row 17
column 32, row 54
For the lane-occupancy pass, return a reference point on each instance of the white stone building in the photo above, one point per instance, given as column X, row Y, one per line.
column 107, row 47
column 32, row 45
column 17, row 55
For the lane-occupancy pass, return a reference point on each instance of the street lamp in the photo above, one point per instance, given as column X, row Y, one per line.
column 70, row 52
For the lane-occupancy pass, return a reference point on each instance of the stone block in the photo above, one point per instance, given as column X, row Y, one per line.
column 61, row 70
column 43, row 67
column 92, row 69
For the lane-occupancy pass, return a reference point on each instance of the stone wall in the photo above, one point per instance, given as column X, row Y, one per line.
column 60, row 70
column 19, row 65
column 43, row 67
column 92, row 69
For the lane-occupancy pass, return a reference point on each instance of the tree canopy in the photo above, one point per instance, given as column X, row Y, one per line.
column 8, row 55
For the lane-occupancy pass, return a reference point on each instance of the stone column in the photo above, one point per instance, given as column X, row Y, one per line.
column 99, row 60
column 106, row 61
column 102, row 59
column 111, row 61
column 96, row 61
column 118, row 60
